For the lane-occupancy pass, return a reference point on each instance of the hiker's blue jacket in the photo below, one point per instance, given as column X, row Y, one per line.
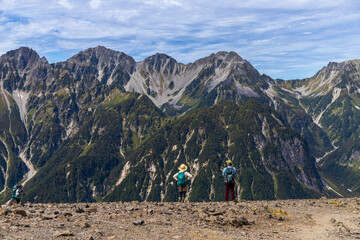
column 233, row 168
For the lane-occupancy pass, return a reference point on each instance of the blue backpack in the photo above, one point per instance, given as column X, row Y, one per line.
column 14, row 191
column 181, row 179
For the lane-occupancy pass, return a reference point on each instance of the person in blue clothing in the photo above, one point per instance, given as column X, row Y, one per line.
column 17, row 193
column 229, row 173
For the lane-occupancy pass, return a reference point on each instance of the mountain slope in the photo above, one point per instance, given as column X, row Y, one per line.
column 331, row 99
column 270, row 157
column 101, row 101
column 84, row 167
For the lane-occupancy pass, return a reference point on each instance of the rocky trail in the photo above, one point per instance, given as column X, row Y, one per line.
column 281, row 219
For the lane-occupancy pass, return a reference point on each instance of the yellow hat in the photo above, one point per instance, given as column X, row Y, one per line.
column 182, row 167
column 229, row 162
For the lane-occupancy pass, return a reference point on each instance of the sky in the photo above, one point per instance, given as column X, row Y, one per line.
column 286, row 39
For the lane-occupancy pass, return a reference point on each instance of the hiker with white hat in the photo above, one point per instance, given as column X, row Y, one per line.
column 182, row 178
column 229, row 175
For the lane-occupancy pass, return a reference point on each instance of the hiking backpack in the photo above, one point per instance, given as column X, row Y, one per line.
column 181, row 179
column 229, row 175
column 14, row 190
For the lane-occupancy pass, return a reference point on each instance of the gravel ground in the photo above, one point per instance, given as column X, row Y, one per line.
column 282, row 219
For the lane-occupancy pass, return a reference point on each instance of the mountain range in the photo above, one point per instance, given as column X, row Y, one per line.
column 103, row 127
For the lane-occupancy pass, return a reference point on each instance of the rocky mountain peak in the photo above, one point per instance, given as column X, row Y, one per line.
column 101, row 51
column 341, row 75
column 221, row 59
column 23, row 59
column 160, row 62
column 228, row 56
column 346, row 65
column 220, row 54
column 21, row 52
column 98, row 54
column 107, row 65
column 159, row 57
column 233, row 56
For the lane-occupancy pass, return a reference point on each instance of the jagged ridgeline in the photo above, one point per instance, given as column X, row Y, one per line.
column 103, row 127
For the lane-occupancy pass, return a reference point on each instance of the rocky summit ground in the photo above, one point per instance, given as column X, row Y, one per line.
column 282, row 219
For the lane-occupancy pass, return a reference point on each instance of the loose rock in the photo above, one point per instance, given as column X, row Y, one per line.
column 64, row 234
column 80, row 210
column 92, row 210
column 67, row 214
column 20, row 212
column 139, row 222
column 85, row 225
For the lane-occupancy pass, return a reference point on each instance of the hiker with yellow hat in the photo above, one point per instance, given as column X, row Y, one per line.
column 229, row 174
column 182, row 178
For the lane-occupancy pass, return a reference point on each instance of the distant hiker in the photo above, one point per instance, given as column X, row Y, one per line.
column 182, row 178
column 229, row 173
column 17, row 193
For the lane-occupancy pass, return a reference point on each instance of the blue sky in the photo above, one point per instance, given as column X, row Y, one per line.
column 284, row 39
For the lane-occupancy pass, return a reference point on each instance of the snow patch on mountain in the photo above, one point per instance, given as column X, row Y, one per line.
column 32, row 171
column 303, row 90
column 70, row 129
column 336, row 94
column 154, row 75
column 124, row 172
column 158, row 83
column 220, row 76
column 135, row 84
column 21, row 99
column 327, row 153
column 320, row 84
column 330, row 188
column 101, row 74
column 271, row 92
column 152, row 172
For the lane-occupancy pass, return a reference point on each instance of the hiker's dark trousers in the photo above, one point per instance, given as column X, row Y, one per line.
column 229, row 186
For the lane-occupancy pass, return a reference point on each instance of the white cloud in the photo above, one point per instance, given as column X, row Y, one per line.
column 270, row 34
column 6, row 4
column 122, row 15
column 94, row 4
column 65, row 3
column 165, row 3
column 290, row 4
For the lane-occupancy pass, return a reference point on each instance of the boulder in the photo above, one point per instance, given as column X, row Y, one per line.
column 46, row 217
column 92, row 210
column 80, row 210
column 67, row 214
column 139, row 222
column 20, row 212
column 238, row 221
